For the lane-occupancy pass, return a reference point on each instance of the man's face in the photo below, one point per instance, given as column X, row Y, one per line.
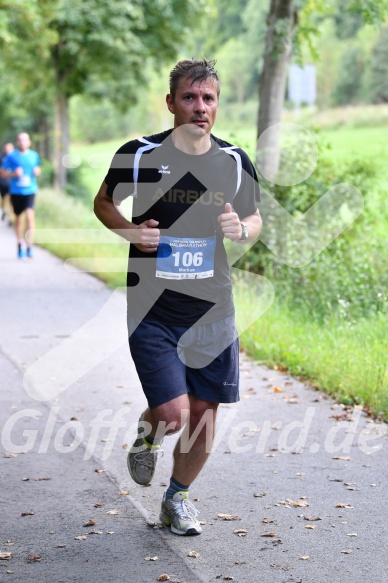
column 195, row 104
column 23, row 142
column 8, row 148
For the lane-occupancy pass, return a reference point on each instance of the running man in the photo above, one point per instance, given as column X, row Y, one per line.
column 190, row 191
column 22, row 166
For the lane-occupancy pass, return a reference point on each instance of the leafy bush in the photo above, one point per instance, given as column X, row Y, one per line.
column 47, row 176
column 75, row 183
column 347, row 280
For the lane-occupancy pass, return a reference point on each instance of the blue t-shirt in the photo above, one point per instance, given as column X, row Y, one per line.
column 28, row 160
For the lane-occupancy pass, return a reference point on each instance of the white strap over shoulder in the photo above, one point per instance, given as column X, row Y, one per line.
column 232, row 151
column 136, row 164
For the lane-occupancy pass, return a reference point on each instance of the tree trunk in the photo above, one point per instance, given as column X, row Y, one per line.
column 43, row 138
column 61, row 139
column 272, row 86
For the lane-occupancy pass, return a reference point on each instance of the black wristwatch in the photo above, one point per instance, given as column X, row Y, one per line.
column 244, row 234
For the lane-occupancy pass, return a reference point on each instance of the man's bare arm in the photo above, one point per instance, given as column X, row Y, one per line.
column 145, row 236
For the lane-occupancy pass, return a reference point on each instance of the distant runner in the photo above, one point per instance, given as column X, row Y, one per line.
column 22, row 166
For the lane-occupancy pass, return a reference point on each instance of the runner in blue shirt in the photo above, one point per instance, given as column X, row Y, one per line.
column 22, row 166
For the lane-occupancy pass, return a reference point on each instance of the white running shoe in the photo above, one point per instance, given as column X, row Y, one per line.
column 142, row 457
column 180, row 514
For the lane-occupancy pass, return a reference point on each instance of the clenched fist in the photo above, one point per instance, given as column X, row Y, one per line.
column 230, row 223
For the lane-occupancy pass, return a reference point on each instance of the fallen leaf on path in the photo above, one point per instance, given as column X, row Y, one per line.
column 342, row 505
column 268, row 534
column 267, row 521
column 29, row 513
column 5, row 556
column 89, row 523
column 125, row 446
column 351, row 534
column 25, row 479
column 344, row 458
column 114, row 511
column 193, row 554
column 150, row 558
column 60, row 546
column 302, row 503
column 347, row 551
column 123, row 493
column 34, row 558
column 98, row 505
column 240, row 532
column 260, row 494
column 228, row 578
column 10, row 455
column 203, row 522
column 304, row 557
column 100, row 471
column 292, row 399
column 80, row 537
column 43, row 479
column 95, row 532
column 341, row 416
column 164, row 577
column 313, row 517
column 229, row 516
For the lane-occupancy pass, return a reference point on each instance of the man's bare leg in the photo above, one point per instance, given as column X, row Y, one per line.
column 19, row 228
column 195, row 443
column 30, row 216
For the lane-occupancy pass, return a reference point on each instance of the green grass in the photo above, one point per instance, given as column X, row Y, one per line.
column 348, row 362
column 96, row 159
column 58, row 211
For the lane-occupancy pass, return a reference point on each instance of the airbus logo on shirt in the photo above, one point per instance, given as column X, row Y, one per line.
column 164, row 170
column 190, row 196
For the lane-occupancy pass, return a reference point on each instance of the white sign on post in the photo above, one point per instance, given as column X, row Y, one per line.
column 302, row 85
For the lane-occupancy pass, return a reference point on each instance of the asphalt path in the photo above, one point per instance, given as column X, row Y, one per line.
column 294, row 491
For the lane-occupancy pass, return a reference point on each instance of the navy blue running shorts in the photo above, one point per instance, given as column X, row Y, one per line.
column 22, row 202
column 201, row 360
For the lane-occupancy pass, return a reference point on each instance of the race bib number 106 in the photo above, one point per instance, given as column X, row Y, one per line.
column 180, row 258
